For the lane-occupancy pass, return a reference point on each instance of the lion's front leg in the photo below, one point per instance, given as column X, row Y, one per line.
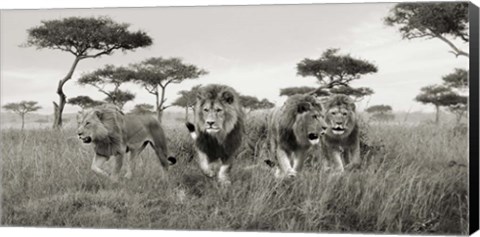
column 202, row 161
column 97, row 164
column 353, row 156
column 118, row 163
column 223, row 174
column 337, row 160
column 299, row 160
column 284, row 164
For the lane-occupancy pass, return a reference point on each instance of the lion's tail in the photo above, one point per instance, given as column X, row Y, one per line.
column 160, row 143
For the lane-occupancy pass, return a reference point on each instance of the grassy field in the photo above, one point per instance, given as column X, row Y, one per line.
column 414, row 181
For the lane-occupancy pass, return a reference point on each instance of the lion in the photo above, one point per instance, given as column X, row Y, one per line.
column 293, row 129
column 341, row 144
column 114, row 134
column 218, row 130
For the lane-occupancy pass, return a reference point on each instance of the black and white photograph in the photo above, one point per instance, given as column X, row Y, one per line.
column 347, row 118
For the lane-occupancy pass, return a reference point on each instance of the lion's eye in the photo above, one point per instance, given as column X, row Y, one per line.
column 87, row 123
column 344, row 114
column 315, row 116
column 206, row 110
column 218, row 110
column 333, row 113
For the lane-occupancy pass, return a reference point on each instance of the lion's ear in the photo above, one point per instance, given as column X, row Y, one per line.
column 200, row 95
column 79, row 115
column 228, row 97
column 99, row 114
column 350, row 103
column 352, row 106
column 303, row 107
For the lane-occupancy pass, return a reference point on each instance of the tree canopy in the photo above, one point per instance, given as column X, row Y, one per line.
column 289, row 91
column 187, row 98
column 439, row 95
column 84, row 102
column 142, row 109
column 380, row 112
column 432, row 20
column 253, row 103
column 379, row 109
column 457, row 79
column 86, row 37
column 120, row 97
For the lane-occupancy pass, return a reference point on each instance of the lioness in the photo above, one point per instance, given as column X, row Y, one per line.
column 293, row 129
column 113, row 134
column 341, row 144
column 218, row 131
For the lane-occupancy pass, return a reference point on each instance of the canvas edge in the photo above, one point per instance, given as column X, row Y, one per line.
column 474, row 121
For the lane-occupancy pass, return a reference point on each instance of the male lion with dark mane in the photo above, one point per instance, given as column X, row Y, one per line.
column 341, row 143
column 218, row 131
column 293, row 129
column 114, row 134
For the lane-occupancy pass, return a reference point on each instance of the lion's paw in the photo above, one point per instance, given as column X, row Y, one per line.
column 225, row 183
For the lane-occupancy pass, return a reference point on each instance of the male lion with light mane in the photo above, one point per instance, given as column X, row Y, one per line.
column 341, row 143
column 114, row 134
column 293, row 129
column 218, row 130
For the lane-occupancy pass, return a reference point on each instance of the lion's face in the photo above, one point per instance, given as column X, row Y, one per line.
column 309, row 123
column 340, row 115
column 213, row 114
column 217, row 109
column 90, row 127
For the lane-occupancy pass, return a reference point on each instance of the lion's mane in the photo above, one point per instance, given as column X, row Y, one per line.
column 229, row 139
column 286, row 118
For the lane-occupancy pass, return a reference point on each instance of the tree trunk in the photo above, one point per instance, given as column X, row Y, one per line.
column 186, row 113
column 159, row 115
column 194, row 115
column 437, row 114
column 23, row 121
column 58, row 108
column 160, row 104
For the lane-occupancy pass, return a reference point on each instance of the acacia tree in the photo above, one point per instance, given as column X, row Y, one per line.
column 155, row 74
column 439, row 96
column 142, row 109
column 83, row 38
column 334, row 72
column 381, row 112
column 84, row 102
column 22, row 108
column 251, row 103
column 110, row 76
column 432, row 20
column 187, row 99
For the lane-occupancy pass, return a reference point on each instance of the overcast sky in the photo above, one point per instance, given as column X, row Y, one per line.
column 254, row 49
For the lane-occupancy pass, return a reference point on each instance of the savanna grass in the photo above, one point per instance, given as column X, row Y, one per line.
column 415, row 182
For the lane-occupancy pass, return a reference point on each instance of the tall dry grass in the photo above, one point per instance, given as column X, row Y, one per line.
column 414, row 182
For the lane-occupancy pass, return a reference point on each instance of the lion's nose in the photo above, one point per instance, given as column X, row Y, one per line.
column 312, row 136
column 210, row 123
column 339, row 123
